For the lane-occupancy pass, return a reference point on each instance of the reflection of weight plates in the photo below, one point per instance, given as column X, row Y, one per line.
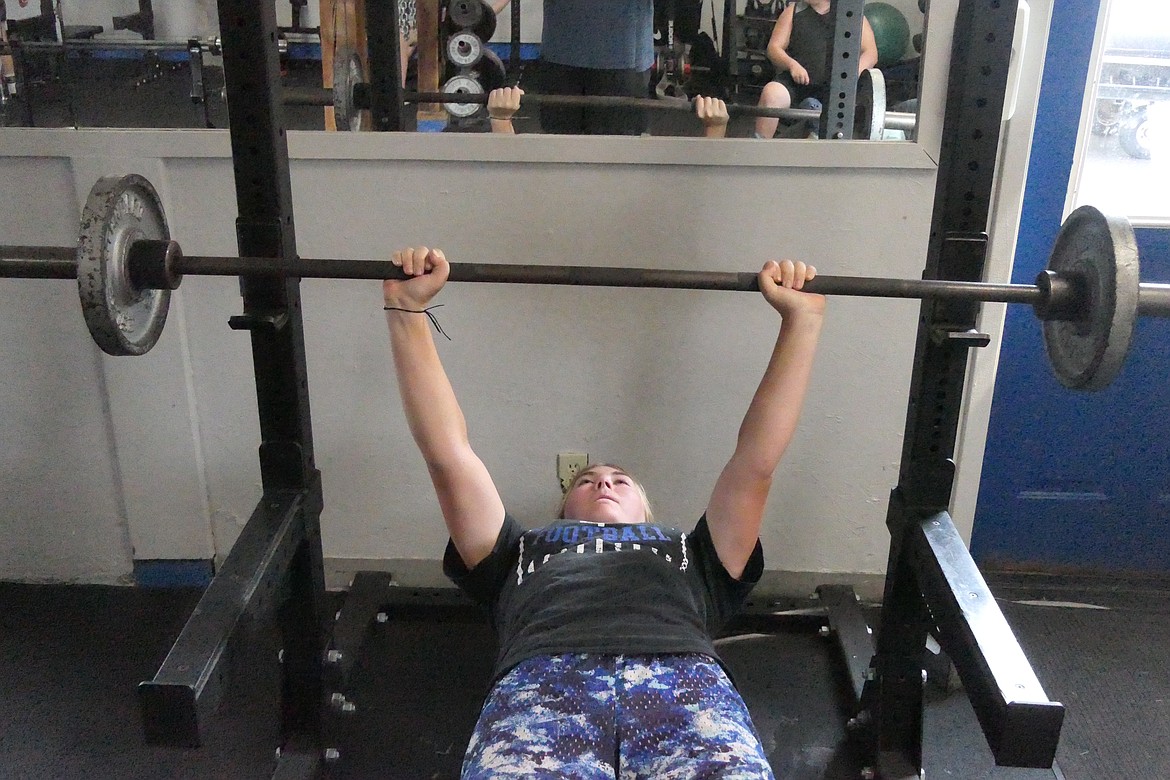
column 462, row 85
column 869, row 112
column 465, row 13
column 347, row 73
column 491, row 71
column 473, row 15
column 464, row 49
column 758, row 71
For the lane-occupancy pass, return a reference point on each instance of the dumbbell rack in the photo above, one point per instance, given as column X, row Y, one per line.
column 745, row 42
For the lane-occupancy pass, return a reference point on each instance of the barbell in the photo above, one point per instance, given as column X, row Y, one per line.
column 126, row 266
column 211, row 45
column 462, row 95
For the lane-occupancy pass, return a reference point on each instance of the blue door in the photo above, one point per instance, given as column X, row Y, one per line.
column 1075, row 482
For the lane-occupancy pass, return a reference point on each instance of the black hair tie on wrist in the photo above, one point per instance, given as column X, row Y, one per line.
column 427, row 311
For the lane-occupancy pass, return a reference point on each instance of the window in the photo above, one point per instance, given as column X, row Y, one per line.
column 1124, row 147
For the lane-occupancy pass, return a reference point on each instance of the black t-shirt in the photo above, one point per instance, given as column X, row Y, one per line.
column 809, row 44
column 580, row 587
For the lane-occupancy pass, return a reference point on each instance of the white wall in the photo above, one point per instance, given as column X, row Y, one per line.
column 159, row 452
column 665, row 399
column 62, row 515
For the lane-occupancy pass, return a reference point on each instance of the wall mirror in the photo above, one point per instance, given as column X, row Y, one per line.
column 134, row 63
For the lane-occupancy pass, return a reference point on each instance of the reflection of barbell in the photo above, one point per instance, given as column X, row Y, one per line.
column 213, row 46
column 464, row 95
column 464, row 98
column 125, row 264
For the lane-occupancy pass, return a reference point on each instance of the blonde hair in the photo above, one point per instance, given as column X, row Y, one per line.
column 581, row 474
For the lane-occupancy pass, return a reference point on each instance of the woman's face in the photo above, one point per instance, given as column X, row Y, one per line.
column 604, row 494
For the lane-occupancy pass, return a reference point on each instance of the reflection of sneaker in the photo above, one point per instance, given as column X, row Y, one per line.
column 811, row 104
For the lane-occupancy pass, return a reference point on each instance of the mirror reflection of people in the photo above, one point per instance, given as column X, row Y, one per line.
column 596, row 47
column 799, row 48
column 605, row 616
column 504, row 102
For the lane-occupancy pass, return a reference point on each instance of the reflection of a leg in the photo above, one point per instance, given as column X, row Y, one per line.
column 774, row 95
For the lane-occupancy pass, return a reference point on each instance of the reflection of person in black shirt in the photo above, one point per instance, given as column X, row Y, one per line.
column 605, row 618
column 800, row 46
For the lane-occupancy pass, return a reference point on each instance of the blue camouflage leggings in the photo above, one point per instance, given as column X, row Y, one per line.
column 586, row 716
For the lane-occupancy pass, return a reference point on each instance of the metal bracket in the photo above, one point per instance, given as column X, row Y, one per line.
column 270, row 322
column 966, row 338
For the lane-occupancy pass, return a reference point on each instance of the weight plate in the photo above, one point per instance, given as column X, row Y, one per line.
column 462, row 85
column 487, row 25
column 466, row 13
column 347, row 73
column 492, row 72
column 464, row 49
column 1101, row 253
column 123, row 320
column 869, row 112
column 474, row 16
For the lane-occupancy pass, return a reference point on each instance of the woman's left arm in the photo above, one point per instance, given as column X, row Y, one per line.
column 736, row 507
column 868, row 56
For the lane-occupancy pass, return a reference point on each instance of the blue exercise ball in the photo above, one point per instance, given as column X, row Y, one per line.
column 890, row 30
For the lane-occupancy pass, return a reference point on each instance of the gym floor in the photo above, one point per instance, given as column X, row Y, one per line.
column 71, row 656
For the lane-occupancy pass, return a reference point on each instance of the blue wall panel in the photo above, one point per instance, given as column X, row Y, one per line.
column 1074, row 481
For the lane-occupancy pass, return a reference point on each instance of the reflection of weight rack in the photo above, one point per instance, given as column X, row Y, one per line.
column 745, row 44
column 473, row 68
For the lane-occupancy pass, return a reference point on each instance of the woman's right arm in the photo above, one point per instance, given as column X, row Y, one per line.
column 468, row 499
column 777, row 49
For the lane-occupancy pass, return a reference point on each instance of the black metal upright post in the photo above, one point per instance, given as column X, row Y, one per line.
column 514, row 50
column 841, row 96
column 383, row 58
column 251, row 63
column 275, row 569
column 931, row 582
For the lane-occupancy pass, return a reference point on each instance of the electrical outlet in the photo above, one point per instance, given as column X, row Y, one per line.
column 568, row 464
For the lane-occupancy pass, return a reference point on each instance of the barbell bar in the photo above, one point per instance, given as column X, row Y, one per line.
column 894, row 120
column 212, row 45
column 161, row 265
column 871, row 116
column 462, row 95
column 126, row 265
